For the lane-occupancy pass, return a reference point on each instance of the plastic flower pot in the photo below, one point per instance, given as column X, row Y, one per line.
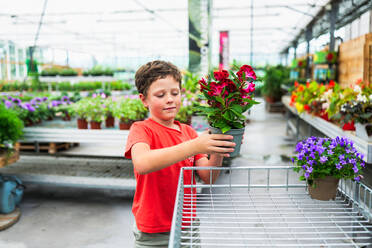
column 361, row 131
column 95, row 125
column 125, row 125
column 82, row 124
column 349, row 126
column 110, row 121
column 238, row 137
column 324, row 189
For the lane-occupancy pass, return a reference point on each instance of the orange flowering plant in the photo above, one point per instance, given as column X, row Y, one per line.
column 228, row 95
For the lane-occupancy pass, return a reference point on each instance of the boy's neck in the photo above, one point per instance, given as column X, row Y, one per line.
column 169, row 123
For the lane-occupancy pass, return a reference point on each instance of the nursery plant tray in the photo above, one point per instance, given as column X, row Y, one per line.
column 269, row 207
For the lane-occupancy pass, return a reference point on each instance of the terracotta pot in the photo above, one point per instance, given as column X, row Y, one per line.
column 349, row 126
column 324, row 189
column 95, row 125
column 82, row 124
column 269, row 99
column 28, row 123
column 125, row 125
column 110, row 121
column 67, row 117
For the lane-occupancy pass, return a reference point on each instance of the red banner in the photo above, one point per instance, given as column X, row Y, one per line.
column 224, row 50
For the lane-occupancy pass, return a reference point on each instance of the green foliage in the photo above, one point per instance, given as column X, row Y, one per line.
column 274, row 77
column 128, row 109
column 11, row 127
column 190, row 82
column 94, row 109
column 99, row 71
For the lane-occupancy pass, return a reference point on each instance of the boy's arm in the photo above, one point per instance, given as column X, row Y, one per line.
column 146, row 160
column 205, row 175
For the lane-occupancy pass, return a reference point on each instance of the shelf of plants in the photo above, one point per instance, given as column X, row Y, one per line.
column 43, row 134
column 266, row 207
column 330, row 129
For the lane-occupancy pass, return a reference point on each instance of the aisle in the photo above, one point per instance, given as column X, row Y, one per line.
column 61, row 217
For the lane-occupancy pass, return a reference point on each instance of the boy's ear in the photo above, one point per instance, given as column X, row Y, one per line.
column 143, row 99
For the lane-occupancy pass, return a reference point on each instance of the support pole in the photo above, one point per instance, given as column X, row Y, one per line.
column 309, row 36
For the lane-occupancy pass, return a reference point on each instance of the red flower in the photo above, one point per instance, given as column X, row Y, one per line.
column 221, row 75
column 216, row 89
column 307, row 84
column 329, row 57
column 331, row 83
column 249, row 73
column 203, row 84
column 300, row 63
column 307, row 107
column 296, row 84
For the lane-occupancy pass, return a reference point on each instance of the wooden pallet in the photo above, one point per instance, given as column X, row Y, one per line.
column 7, row 220
column 51, row 147
column 6, row 160
column 355, row 60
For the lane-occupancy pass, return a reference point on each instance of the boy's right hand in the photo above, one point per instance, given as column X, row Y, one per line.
column 214, row 143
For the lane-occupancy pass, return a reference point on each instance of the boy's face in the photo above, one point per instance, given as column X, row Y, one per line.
column 163, row 99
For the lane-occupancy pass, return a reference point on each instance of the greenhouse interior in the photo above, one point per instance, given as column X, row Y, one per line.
column 190, row 123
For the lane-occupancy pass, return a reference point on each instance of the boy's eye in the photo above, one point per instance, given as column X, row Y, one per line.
column 175, row 93
column 160, row 95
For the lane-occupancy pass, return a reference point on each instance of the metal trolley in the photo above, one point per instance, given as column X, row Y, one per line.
column 268, row 207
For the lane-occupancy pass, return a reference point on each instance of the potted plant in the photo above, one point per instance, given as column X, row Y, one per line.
column 324, row 161
column 108, row 105
column 228, row 95
column 80, row 109
column 274, row 77
column 11, row 129
column 129, row 110
column 95, row 112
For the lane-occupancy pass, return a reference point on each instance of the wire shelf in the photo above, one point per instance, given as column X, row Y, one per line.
column 268, row 207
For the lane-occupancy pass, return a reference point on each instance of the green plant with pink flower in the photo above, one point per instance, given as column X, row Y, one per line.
column 228, row 95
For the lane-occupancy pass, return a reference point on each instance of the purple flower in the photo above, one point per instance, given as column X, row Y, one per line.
column 17, row 101
column 311, row 162
column 8, row 104
column 65, row 99
column 330, row 152
column 341, row 157
column 338, row 166
column 312, row 155
column 355, row 169
column 307, row 174
column 55, row 103
column 310, row 169
column 30, row 107
column 323, row 159
column 292, row 160
column 357, row 178
column 45, row 98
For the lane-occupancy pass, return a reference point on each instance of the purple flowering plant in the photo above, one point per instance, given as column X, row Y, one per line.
column 320, row 157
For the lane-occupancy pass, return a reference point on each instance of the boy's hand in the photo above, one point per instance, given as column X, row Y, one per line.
column 214, row 144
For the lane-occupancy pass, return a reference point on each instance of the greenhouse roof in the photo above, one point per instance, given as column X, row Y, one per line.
column 152, row 28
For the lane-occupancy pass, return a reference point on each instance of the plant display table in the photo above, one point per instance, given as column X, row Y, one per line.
column 265, row 207
column 326, row 127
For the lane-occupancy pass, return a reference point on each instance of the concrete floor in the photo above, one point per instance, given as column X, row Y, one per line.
column 96, row 218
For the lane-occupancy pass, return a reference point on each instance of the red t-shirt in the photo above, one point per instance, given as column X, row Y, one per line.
column 156, row 192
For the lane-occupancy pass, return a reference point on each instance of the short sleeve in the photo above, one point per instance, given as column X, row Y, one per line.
column 193, row 134
column 138, row 133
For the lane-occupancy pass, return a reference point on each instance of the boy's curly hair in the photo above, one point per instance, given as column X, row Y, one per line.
column 154, row 70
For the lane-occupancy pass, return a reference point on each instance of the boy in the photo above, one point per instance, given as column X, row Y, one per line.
column 159, row 147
